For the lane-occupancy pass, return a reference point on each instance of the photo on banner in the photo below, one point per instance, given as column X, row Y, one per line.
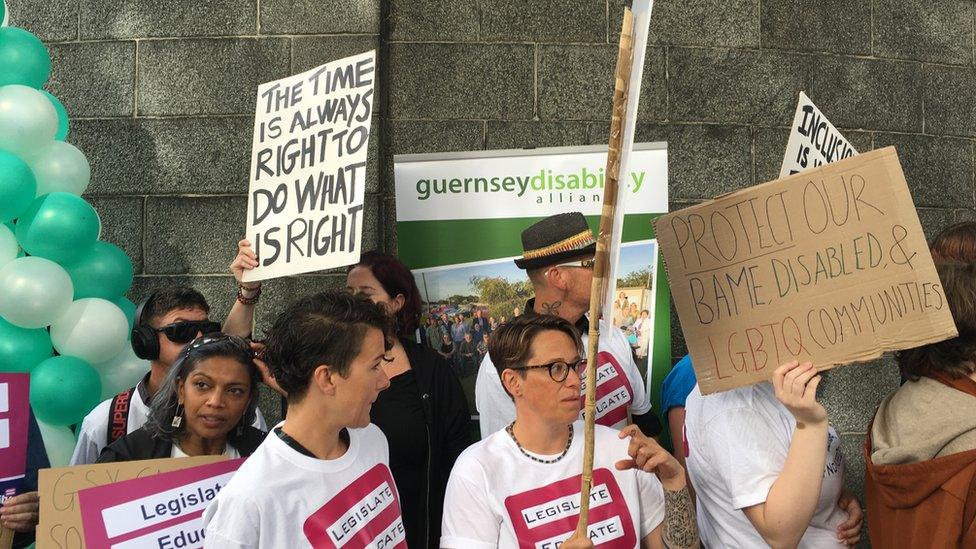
column 308, row 168
column 459, row 222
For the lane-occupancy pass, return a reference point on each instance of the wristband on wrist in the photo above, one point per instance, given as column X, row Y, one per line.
column 248, row 300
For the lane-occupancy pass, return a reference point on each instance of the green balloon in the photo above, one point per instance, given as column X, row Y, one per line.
column 13, row 228
column 58, row 226
column 17, row 186
column 21, row 349
column 23, row 58
column 129, row 308
column 62, row 116
column 105, row 272
column 63, row 389
column 59, row 443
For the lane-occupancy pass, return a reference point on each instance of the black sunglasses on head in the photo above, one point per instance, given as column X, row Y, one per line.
column 186, row 331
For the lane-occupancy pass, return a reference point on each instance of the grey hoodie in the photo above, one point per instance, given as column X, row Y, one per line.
column 923, row 420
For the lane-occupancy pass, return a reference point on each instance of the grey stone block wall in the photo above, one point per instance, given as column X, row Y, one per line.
column 161, row 102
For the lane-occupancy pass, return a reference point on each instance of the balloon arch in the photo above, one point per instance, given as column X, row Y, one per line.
column 64, row 317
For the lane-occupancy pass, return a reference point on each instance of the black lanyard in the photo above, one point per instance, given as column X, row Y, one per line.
column 297, row 446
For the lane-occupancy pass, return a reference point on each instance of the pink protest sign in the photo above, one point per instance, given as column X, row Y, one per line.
column 158, row 511
column 545, row 517
column 364, row 514
column 14, row 414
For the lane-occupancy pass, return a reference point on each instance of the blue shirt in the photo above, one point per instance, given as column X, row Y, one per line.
column 677, row 385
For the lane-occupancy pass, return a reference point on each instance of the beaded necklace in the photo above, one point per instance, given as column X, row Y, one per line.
column 511, row 432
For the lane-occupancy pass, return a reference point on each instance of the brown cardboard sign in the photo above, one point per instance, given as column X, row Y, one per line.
column 60, row 517
column 828, row 265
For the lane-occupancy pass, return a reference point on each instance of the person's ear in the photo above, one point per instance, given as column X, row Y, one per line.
column 397, row 303
column 323, row 378
column 512, row 382
column 179, row 390
column 557, row 278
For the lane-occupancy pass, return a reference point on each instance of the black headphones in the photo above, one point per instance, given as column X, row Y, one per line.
column 145, row 342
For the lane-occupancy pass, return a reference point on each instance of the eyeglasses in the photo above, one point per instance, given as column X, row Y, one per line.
column 185, row 331
column 583, row 263
column 558, row 369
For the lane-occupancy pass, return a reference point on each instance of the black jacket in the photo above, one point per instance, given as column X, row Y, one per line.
column 448, row 423
column 140, row 444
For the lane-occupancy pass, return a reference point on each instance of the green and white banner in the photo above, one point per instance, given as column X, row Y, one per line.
column 460, row 217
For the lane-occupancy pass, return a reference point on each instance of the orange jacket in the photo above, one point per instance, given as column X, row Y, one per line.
column 930, row 503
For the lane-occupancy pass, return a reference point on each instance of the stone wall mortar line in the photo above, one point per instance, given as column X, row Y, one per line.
column 135, row 83
column 145, row 223
column 214, row 38
column 925, row 76
column 667, row 83
column 871, row 27
column 658, row 122
column 535, row 82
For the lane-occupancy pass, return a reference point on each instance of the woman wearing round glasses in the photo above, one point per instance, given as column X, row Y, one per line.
column 205, row 406
column 519, row 487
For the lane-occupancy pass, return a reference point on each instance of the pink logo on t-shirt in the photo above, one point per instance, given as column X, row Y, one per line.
column 366, row 513
column 544, row 517
column 613, row 391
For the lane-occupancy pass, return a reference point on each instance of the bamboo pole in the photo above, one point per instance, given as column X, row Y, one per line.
column 601, row 267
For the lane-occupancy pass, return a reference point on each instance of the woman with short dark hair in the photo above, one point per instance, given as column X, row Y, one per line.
column 920, row 452
column 321, row 477
column 205, row 406
column 424, row 413
column 519, row 487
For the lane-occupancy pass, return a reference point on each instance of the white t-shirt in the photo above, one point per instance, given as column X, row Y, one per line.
column 619, row 386
column 283, row 498
column 738, row 441
column 93, row 435
column 229, row 452
column 498, row 497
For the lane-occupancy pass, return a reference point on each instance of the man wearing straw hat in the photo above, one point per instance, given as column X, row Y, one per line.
column 558, row 258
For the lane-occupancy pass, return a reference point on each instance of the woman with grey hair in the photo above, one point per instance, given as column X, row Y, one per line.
column 205, row 406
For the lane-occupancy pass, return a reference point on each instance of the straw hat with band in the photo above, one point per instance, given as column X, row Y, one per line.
column 556, row 239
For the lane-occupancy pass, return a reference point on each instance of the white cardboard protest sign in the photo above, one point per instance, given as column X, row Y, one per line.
column 308, row 168
column 814, row 141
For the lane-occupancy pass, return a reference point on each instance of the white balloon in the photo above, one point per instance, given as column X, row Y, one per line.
column 60, row 167
column 121, row 372
column 8, row 245
column 92, row 329
column 28, row 121
column 59, row 442
column 34, row 292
